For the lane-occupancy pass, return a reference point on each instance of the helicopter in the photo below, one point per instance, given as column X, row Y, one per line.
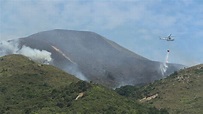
column 168, row 38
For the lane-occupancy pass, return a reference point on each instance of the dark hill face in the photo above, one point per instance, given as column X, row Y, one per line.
column 99, row 59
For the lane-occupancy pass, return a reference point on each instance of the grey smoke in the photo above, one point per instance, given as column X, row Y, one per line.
column 71, row 68
column 74, row 70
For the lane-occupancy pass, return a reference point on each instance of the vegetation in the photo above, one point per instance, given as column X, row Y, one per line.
column 179, row 93
column 27, row 87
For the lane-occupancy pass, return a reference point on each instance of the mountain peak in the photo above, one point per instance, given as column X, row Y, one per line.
column 90, row 56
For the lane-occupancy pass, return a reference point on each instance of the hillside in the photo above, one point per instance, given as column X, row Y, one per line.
column 89, row 56
column 179, row 93
column 28, row 87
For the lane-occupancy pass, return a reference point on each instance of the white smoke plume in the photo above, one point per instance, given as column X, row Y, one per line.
column 8, row 47
column 36, row 55
column 12, row 47
column 40, row 56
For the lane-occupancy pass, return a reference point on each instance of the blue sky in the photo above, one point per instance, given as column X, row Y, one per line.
column 134, row 24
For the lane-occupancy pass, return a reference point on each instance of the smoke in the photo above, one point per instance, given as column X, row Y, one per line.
column 63, row 54
column 36, row 55
column 73, row 68
column 8, row 47
column 40, row 56
column 12, row 47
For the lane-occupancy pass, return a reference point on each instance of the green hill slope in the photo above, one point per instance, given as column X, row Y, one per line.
column 24, row 84
column 181, row 93
column 27, row 87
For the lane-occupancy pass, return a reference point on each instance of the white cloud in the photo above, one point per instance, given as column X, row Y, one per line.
column 43, row 14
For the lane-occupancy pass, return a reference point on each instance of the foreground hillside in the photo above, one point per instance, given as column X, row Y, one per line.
column 179, row 93
column 29, row 87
